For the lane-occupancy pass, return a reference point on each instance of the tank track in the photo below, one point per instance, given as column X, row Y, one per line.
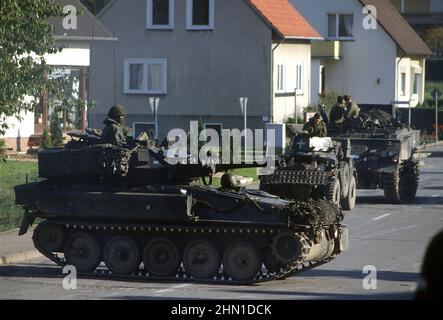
column 292, row 176
column 181, row 275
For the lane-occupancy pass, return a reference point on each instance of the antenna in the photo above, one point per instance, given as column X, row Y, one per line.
column 115, row 66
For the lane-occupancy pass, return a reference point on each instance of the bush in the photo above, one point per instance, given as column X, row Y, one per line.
column 56, row 131
column 329, row 99
column 2, row 150
column 46, row 140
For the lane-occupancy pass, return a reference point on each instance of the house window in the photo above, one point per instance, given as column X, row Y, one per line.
column 340, row 26
column 160, row 14
column 140, row 127
column 280, row 77
column 200, row 14
column 299, row 78
column 403, row 83
column 417, row 83
column 145, row 76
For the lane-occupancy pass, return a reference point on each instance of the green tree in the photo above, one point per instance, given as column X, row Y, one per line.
column 25, row 36
column 434, row 39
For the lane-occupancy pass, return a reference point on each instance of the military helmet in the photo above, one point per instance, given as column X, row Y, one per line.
column 116, row 112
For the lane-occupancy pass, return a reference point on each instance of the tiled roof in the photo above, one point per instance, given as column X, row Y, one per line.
column 284, row 19
column 397, row 28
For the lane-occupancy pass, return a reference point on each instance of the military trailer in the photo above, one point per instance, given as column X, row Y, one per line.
column 314, row 168
column 117, row 212
column 385, row 154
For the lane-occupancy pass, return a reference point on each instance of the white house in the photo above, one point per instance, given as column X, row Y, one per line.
column 377, row 61
column 75, row 35
column 199, row 57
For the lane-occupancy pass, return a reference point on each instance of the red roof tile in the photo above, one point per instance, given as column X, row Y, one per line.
column 284, row 18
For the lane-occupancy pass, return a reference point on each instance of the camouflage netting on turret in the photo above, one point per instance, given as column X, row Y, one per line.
column 98, row 163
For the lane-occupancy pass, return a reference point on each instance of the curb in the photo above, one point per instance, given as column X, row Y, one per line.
column 19, row 257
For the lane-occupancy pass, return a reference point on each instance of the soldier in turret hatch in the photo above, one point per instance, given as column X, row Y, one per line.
column 113, row 130
column 316, row 127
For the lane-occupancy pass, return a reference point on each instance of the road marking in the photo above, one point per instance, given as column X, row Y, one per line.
column 180, row 286
column 435, row 195
column 382, row 216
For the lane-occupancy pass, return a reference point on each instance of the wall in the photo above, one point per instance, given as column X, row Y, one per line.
column 408, row 64
column 292, row 54
column 367, row 66
column 207, row 70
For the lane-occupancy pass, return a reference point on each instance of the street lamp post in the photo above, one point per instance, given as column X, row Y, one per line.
column 244, row 109
column 154, row 103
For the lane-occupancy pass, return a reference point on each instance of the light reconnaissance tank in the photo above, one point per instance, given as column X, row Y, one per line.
column 314, row 168
column 113, row 212
column 385, row 154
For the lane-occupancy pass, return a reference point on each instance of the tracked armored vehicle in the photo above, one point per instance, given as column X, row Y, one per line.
column 117, row 212
column 385, row 154
column 314, row 168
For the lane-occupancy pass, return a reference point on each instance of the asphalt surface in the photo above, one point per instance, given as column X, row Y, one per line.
column 391, row 238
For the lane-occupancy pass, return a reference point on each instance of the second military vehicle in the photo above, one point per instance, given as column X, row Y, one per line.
column 132, row 213
column 317, row 168
column 385, row 154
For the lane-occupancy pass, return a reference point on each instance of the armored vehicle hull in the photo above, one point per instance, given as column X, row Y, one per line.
column 132, row 212
column 179, row 232
column 385, row 155
column 315, row 168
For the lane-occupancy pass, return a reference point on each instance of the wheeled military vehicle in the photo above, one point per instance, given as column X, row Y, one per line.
column 384, row 153
column 131, row 213
column 314, row 168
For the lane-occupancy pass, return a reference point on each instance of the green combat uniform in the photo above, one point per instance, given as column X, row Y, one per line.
column 315, row 129
column 337, row 114
column 352, row 110
column 113, row 130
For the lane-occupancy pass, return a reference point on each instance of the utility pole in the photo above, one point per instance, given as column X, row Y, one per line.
column 436, row 94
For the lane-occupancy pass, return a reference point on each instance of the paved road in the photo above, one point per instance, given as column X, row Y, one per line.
column 391, row 238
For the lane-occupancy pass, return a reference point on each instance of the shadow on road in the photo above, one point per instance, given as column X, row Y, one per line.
column 357, row 274
column 436, row 154
column 30, row 271
column 372, row 295
column 418, row 201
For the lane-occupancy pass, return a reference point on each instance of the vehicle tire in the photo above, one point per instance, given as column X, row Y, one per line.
column 391, row 187
column 409, row 179
column 333, row 192
column 348, row 202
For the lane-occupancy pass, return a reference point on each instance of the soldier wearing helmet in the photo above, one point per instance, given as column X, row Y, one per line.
column 113, row 130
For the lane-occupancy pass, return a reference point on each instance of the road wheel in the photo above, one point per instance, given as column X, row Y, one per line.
column 49, row 237
column 391, row 187
column 161, row 257
column 348, row 202
column 201, row 259
column 333, row 192
column 241, row 261
column 122, row 255
column 83, row 252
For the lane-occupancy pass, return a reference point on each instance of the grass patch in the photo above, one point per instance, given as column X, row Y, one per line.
column 13, row 173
